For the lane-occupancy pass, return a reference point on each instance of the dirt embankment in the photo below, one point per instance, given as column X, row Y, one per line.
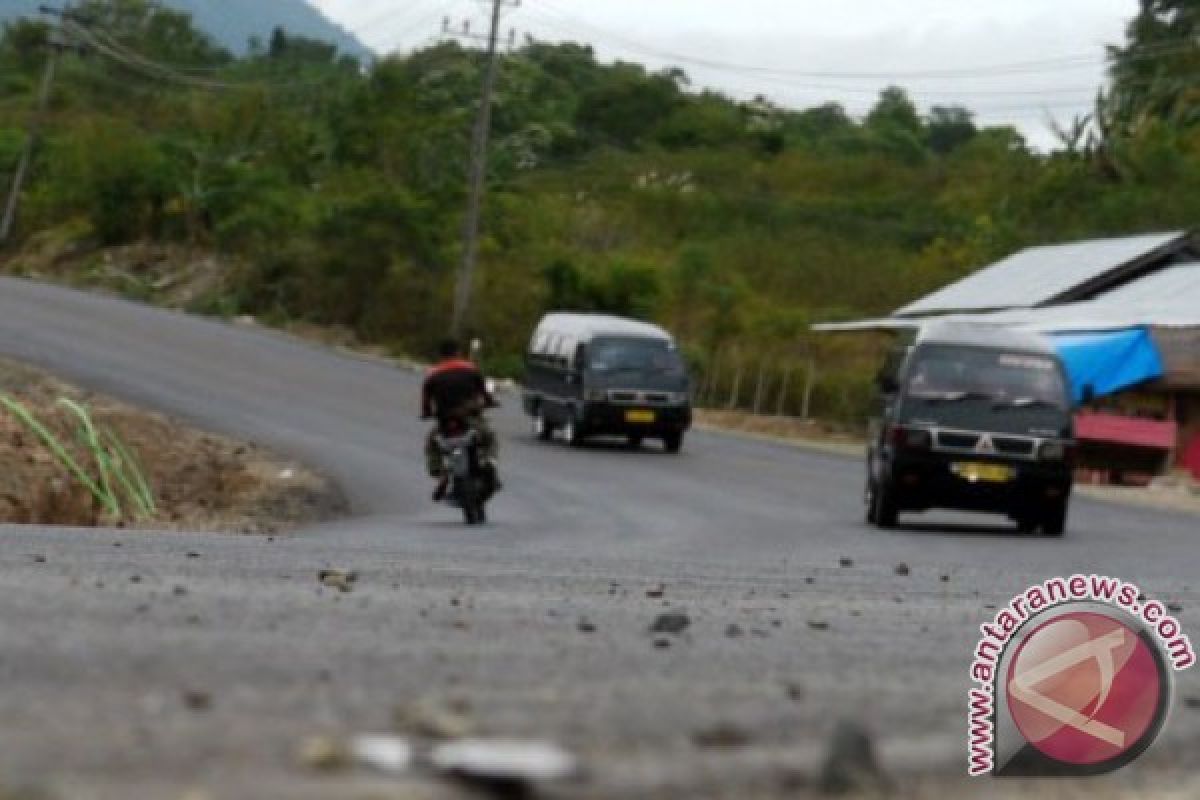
column 199, row 481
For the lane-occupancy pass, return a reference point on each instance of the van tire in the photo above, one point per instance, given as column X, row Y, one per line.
column 541, row 427
column 673, row 442
column 1054, row 519
column 634, row 441
column 884, row 511
column 570, row 430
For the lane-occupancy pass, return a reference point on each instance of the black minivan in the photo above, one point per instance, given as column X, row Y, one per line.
column 598, row 375
column 976, row 418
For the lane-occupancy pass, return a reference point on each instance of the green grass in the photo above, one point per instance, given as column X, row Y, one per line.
column 114, row 477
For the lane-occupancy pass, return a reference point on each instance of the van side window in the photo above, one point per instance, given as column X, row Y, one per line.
column 580, row 362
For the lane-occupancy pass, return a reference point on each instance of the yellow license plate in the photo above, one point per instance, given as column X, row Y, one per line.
column 984, row 473
column 640, row 417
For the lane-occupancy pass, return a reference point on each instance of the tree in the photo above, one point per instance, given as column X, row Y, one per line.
column 627, row 104
column 950, row 127
column 896, row 126
column 895, row 112
column 1153, row 74
column 152, row 31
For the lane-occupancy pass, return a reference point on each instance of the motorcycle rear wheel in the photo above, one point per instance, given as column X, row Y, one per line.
column 472, row 504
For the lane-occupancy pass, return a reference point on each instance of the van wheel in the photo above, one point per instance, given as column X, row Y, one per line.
column 673, row 442
column 540, row 427
column 635, row 441
column 869, row 502
column 570, row 431
column 1054, row 520
column 883, row 510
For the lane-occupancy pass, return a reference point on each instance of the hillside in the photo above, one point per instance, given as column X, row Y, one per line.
column 333, row 196
column 232, row 23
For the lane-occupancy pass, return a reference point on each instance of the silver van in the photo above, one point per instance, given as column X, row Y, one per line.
column 599, row 375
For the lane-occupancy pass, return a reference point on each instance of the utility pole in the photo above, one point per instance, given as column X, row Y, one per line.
column 32, row 138
column 477, row 174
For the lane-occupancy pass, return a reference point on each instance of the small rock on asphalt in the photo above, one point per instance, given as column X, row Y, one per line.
column 586, row 626
column 324, row 754
column 903, row 570
column 818, row 624
column 673, row 622
column 850, row 765
column 845, row 563
column 734, row 631
column 721, row 736
column 1175, row 608
column 338, row 579
column 436, row 719
column 196, row 700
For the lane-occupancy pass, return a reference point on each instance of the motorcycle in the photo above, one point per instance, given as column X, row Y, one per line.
column 472, row 482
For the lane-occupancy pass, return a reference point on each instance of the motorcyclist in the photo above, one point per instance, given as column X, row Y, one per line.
column 455, row 391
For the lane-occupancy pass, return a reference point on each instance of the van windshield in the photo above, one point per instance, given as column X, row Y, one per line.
column 1007, row 380
column 633, row 354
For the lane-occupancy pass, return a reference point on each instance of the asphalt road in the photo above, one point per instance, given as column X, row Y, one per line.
column 536, row 625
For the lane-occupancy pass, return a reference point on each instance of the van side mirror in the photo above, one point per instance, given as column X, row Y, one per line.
column 887, row 383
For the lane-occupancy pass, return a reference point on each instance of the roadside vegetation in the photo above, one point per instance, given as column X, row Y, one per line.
column 301, row 188
column 69, row 457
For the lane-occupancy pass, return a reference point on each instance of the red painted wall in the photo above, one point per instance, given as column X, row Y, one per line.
column 1135, row 431
column 1190, row 457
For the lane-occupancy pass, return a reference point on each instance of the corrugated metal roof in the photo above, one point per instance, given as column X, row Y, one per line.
column 1166, row 299
column 1035, row 276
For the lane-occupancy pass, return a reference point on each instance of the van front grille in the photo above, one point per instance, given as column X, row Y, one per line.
column 633, row 397
column 1013, row 446
column 958, row 441
column 998, row 444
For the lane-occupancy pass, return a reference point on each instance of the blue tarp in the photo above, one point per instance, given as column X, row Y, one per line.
column 1109, row 361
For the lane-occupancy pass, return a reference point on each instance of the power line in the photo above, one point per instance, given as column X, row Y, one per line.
column 153, row 69
column 1039, row 66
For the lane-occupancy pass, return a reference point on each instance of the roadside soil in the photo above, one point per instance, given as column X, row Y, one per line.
column 201, row 482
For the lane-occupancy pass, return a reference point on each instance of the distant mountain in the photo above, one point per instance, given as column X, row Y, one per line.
column 233, row 22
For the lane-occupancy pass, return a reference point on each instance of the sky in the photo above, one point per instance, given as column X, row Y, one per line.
column 1018, row 62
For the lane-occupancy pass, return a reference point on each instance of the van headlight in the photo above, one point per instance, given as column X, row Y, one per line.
column 1052, row 451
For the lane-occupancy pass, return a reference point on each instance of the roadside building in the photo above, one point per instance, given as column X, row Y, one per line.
column 1126, row 316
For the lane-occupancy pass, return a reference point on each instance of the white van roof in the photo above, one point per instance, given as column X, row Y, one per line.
column 584, row 327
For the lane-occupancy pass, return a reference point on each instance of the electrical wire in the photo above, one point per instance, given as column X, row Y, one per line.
column 142, row 65
column 559, row 18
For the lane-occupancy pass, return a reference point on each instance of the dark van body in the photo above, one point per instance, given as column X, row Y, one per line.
column 597, row 375
column 973, row 418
